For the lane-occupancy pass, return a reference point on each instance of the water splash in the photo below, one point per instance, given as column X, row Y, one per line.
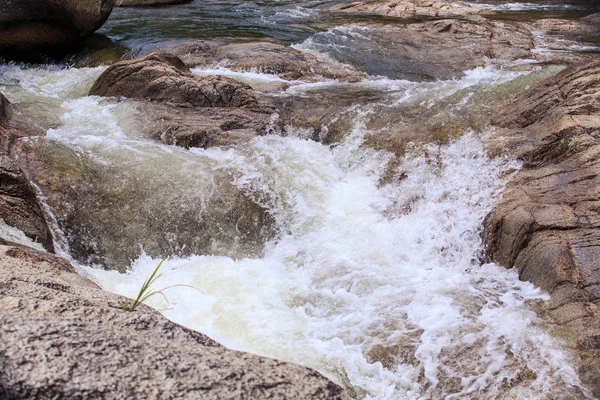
column 378, row 287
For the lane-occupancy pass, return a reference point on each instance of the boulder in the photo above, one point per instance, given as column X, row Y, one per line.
column 588, row 26
column 184, row 109
column 64, row 337
column 42, row 24
column 19, row 206
column 163, row 77
column 548, row 223
column 149, row 3
column 266, row 57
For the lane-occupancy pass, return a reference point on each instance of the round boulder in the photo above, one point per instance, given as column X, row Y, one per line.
column 46, row 24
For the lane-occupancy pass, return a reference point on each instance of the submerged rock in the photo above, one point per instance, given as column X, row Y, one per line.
column 43, row 24
column 18, row 202
column 442, row 49
column 63, row 337
column 265, row 57
column 110, row 213
column 548, row 223
column 184, row 109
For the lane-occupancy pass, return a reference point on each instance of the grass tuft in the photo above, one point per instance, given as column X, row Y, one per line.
column 145, row 293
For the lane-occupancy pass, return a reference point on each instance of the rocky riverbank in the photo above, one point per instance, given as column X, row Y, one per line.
column 64, row 337
column 548, row 226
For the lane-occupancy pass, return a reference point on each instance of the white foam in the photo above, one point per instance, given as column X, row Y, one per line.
column 360, row 267
column 520, row 6
column 54, row 82
column 15, row 235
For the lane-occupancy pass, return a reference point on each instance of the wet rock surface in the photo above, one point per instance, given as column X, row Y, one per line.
column 63, row 337
column 459, row 44
column 548, row 223
column 18, row 202
column 43, row 24
column 138, row 209
column 265, row 57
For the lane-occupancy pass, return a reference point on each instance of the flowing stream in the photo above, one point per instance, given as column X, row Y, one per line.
column 370, row 272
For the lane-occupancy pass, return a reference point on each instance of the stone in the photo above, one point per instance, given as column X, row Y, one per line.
column 19, row 206
column 582, row 28
column 64, row 337
column 42, row 24
column 265, row 57
column 138, row 210
column 163, row 77
column 184, row 109
column 547, row 225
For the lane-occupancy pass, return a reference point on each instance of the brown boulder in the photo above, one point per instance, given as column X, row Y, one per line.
column 39, row 24
column 548, row 223
column 18, row 201
column 64, row 337
column 184, row 109
column 163, row 77
column 266, row 57
column 588, row 26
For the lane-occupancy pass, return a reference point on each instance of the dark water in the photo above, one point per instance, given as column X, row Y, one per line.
column 285, row 21
column 133, row 31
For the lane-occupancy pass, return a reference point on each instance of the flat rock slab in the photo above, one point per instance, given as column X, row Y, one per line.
column 265, row 57
column 409, row 9
column 548, row 223
column 61, row 336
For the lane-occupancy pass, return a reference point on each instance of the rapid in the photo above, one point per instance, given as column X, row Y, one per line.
column 370, row 272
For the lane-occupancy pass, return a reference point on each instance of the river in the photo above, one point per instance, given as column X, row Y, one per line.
column 369, row 271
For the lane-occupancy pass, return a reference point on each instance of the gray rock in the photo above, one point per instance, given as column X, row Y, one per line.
column 61, row 336
column 39, row 24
